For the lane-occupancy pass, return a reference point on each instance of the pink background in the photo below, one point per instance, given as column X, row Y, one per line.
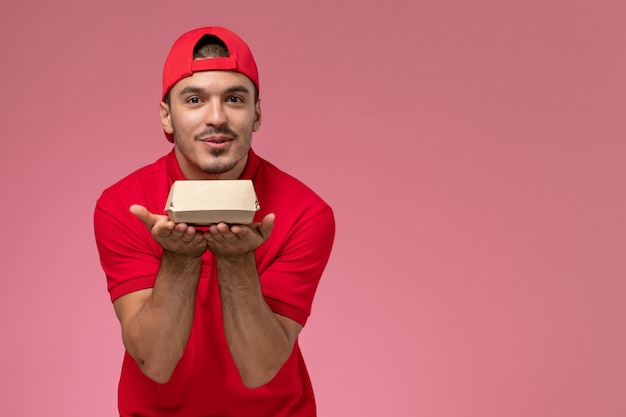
column 473, row 151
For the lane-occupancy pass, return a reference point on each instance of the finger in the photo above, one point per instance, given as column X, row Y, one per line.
column 189, row 234
column 219, row 229
column 184, row 232
column 144, row 215
column 198, row 237
column 222, row 228
column 267, row 224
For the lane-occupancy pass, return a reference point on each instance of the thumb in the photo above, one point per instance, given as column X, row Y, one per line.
column 267, row 224
column 143, row 214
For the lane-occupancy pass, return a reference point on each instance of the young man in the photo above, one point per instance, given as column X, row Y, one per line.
column 210, row 316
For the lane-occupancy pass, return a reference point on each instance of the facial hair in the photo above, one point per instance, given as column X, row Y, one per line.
column 211, row 131
column 219, row 163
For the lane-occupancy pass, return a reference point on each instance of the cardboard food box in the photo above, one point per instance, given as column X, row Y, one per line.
column 203, row 202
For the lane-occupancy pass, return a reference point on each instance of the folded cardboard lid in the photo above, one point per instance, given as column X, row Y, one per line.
column 205, row 202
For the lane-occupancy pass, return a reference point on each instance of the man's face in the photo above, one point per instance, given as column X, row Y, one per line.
column 212, row 115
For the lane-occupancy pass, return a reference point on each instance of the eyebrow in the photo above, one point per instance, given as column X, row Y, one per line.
column 197, row 90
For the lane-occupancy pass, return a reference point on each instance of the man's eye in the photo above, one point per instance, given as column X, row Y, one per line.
column 234, row 99
column 193, row 100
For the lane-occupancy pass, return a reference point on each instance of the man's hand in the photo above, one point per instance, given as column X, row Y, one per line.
column 231, row 241
column 259, row 340
column 178, row 238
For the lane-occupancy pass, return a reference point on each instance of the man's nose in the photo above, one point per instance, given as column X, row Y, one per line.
column 215, row 115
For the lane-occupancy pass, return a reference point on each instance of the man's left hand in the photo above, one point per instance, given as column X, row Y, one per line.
column 234, row 240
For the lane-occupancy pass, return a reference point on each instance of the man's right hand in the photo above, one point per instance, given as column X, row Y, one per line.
column 156, row 322
column 178, row 238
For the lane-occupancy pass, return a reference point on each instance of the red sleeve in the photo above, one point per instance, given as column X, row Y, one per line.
column 129, row 256
column 290, row 278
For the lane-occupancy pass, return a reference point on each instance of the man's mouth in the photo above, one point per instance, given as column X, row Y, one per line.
column 216, row 142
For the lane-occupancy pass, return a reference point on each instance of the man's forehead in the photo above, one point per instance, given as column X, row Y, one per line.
column 219, row 80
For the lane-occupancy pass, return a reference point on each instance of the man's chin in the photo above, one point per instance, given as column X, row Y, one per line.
column 217, row 168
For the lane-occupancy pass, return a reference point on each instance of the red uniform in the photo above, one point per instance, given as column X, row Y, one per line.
column 290, row 264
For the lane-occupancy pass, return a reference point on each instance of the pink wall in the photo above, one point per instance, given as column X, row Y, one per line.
column 474, row 152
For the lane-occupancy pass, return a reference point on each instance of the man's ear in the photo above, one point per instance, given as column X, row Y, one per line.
column 166, row 117
column 257, row 116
